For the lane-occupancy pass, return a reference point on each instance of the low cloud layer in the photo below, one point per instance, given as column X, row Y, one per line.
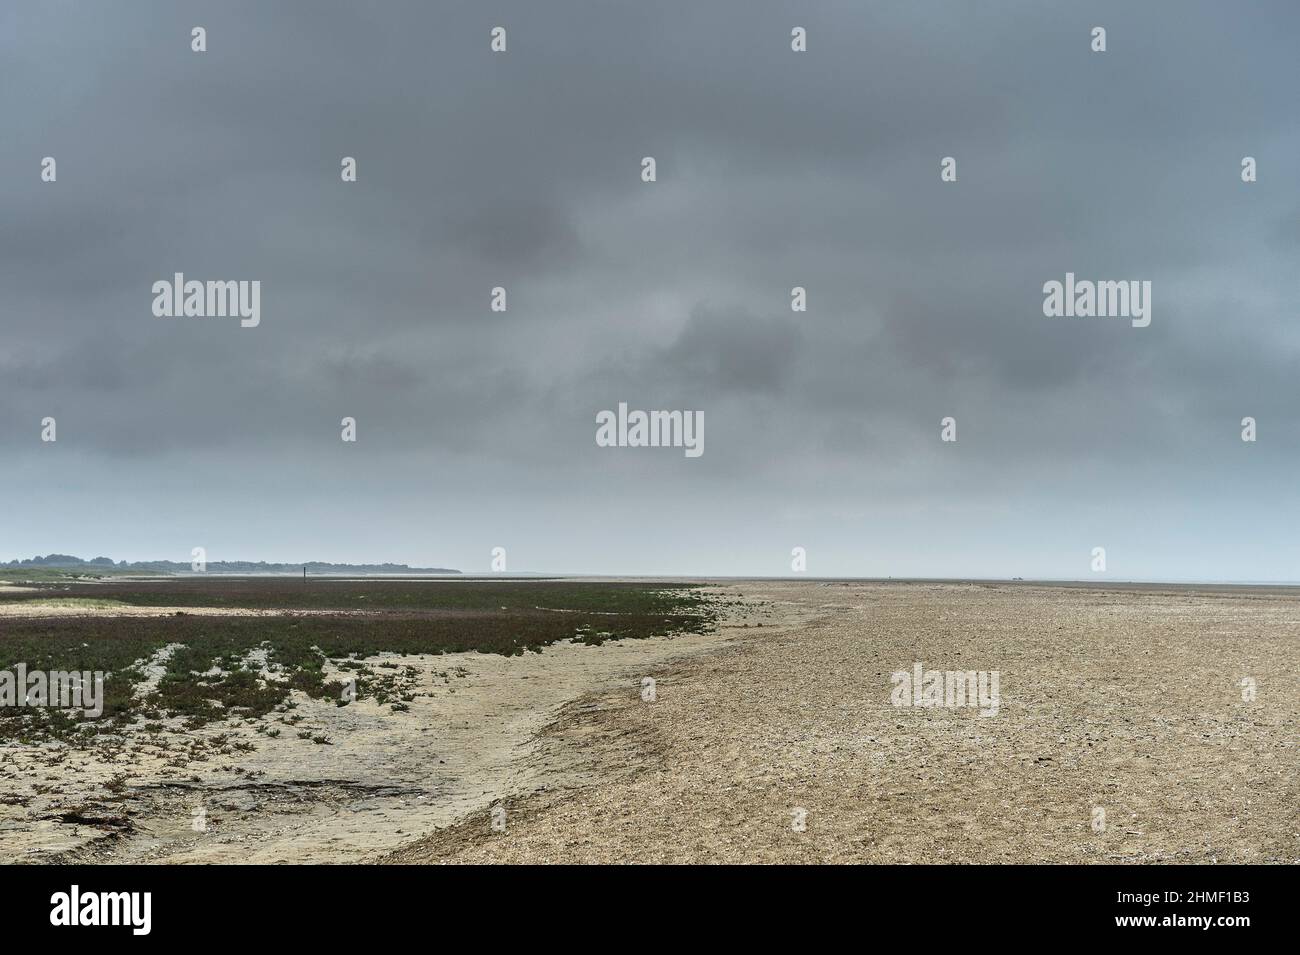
column 775, row 169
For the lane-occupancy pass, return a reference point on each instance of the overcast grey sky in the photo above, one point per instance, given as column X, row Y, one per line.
column 775, row 169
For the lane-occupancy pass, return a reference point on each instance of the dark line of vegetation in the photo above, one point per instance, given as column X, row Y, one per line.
column 289, row 593
column 211, row 677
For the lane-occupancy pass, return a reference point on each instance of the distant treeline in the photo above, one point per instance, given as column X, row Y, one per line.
column 69, row 562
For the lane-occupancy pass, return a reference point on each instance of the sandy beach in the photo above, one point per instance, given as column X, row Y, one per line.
column 776, row 738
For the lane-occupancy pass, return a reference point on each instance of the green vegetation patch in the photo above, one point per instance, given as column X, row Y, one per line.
column 246, row 666
column 325, row 593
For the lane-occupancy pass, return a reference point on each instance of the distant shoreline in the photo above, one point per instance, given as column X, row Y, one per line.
column 73, row 564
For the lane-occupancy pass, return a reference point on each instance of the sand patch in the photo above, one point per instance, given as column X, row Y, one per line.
column 337, row 783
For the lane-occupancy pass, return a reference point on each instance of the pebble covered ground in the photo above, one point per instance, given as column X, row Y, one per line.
column 1124, row 700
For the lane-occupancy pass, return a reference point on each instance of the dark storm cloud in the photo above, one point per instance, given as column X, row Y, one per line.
column 733, row 351
column 522, row 170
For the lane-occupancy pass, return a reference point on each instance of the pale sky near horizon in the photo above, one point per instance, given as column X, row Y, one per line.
column 775, row 169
